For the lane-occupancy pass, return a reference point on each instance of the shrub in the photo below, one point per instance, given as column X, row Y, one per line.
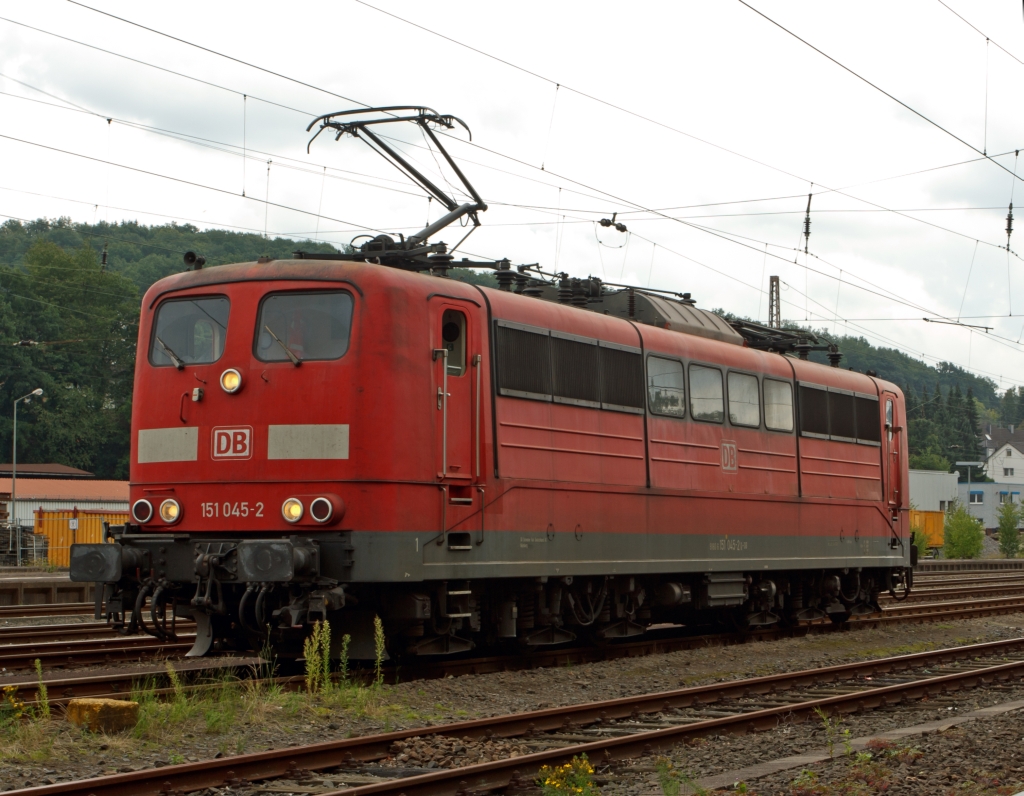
column 575, row 778
column 963, row 533
column 1009, row 536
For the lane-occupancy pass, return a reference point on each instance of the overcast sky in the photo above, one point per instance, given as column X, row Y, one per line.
column 742, row 122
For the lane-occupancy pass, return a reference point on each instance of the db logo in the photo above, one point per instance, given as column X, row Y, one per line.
column 729, row 456
column 232, row 442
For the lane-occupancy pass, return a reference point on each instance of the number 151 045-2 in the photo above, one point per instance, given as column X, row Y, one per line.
column 232, row 509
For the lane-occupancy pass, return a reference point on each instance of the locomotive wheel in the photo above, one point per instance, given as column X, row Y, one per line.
column 839, row 618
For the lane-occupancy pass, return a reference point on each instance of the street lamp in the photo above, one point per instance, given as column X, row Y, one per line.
column 14, row 471
column 969, row 465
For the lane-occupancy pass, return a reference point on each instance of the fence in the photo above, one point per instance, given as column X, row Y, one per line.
column 55, row 532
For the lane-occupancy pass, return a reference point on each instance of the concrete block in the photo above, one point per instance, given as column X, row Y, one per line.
column 103, row 715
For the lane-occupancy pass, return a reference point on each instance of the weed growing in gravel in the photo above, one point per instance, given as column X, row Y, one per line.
column 671, row 779
column 575, row 778
column 42, row 696
column 317, row 651
column 832, row 731
column 378, row 646
column 12, row 709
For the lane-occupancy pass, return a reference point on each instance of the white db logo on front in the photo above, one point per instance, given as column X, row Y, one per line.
column 232, row 442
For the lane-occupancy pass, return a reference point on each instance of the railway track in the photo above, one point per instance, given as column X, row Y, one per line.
column 89, row 651
column 118, row 683
column 45, row 609
column 607, row 730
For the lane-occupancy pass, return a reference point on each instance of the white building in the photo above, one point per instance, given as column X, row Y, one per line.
column 1004, row 455
column 932, row 490
column 54, row 494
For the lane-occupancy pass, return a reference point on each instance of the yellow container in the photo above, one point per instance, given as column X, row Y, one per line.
column 67, row 527
column 931, row 524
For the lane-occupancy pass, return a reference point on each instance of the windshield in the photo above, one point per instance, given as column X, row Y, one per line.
column 191, row 331
column 309, row 325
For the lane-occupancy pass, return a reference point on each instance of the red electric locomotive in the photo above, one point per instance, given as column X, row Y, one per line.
column 344, row 438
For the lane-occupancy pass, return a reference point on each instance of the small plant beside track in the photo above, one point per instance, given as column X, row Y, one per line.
column 575, row 778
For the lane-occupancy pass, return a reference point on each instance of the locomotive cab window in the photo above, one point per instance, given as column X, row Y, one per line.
column 706, row 394
column 453, row 336
column 666, row 393
column 307, row 326
column 744, row 401
column 189, row 331
column 778, row 405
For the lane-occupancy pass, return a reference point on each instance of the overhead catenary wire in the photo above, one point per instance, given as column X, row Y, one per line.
column 868, row 82
column 330, row 92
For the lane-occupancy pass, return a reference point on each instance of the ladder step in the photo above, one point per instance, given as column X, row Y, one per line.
column 461, row 591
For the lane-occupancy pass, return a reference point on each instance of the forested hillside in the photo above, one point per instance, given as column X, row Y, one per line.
column 68, row 324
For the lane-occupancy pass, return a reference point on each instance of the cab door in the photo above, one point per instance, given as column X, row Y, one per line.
column 456, row 359
column 892, row 444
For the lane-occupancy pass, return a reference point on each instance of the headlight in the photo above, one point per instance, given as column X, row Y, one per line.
column 142, row 511
column 292, row 510
column 321, row 509
column 170, row 511
column 231, row 380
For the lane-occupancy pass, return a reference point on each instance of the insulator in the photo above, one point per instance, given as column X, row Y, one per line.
column 564, row 291
column 521, row 280
column 1009, row 224
column 632, row 303
column 533, row 289
column 504, row 275
column 579, row 294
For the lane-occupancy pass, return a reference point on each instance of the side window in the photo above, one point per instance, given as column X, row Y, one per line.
column 840, row 416
column 888, row 419
column 778, row 405
column 574, row 370
column 744, row 405
column 622, row 379
column 453, row 333
column 813, row 411
column 706, row 394
column 868, row 422
column 666, row 392
column 524, row 362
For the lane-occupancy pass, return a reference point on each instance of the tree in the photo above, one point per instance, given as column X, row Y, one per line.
column 1009, row 536
column 69, row 326
column 963, row 534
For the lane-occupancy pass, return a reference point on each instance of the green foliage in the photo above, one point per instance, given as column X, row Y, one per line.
column 928, row 461
column 963, row 534
column 575, row 778
column 1009, row 536
column 378, row 646
column 42, row 695
column 919, row 540
column 77, row 324
column 317, row 651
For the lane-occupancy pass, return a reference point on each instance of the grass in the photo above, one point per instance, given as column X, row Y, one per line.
column 218, row 709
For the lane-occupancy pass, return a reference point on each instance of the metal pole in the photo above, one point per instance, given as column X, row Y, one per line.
column 14, row 489
column 14, row 474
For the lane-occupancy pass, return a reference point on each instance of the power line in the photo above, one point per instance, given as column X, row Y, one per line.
column 153, row 66
column 180, row 180
column 215, row 52
column 514, row 159
column 873, row 85
column 976, row 30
